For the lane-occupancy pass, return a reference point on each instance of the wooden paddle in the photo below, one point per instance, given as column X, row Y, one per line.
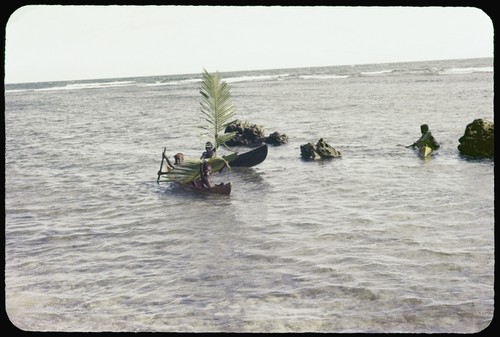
column 161, row 165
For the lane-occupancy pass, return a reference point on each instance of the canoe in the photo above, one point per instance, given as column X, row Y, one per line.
column 250, row 158
column 224, row 189
column 189, row 170
column 424, row 151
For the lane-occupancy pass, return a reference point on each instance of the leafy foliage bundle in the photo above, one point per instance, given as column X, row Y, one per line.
column 218, row 111
column 216, row 107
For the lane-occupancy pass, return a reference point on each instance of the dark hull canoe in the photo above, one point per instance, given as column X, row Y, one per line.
column 250, row 158
column 224, row 189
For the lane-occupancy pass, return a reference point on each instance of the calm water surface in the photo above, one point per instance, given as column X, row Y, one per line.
column 377, row 241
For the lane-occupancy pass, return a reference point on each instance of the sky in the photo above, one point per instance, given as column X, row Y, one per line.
column 54, row 43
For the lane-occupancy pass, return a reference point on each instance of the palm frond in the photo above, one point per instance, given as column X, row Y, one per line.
column 189, row 170
column 216, row 107
column 224, row 138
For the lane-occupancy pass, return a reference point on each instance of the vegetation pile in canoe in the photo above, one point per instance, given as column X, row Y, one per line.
column 217, row 113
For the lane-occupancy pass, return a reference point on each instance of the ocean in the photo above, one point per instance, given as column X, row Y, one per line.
column 378, row 241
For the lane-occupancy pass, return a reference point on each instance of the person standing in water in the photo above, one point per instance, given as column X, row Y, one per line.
column 427, row 139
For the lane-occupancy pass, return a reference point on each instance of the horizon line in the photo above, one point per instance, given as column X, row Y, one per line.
column 229, row 71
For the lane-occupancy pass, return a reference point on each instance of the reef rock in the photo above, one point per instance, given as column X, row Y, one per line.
column 308, row 151
column 478, row 139
column 247, row 134
column 325, row 150
column 322, row 150
column 276, row 138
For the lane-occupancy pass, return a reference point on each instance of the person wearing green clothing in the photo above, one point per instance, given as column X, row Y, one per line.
column 426, row 139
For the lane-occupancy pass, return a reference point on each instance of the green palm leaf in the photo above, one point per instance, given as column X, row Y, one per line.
column 189, row 170
column 216, row 107
column 218, row 111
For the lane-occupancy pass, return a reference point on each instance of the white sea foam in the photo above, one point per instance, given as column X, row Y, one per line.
column 156, row 84
column 93, row 85
column 305, row 74
column 469, row 70
column 179, row 82
column 190, row 80
column 376, row 73
column 16, row 90
column 168, row 83
column 323, row 77
column 255, row 78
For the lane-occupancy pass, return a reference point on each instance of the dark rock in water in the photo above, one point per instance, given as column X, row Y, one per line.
column 325, row 150
column 247, row 134
column 308, row 151
column 478, row 139
column 276, row 138
column 321, row 150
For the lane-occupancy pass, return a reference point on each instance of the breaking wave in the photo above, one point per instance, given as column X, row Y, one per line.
column 311, row 73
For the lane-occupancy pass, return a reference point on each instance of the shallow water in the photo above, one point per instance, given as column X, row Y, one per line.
column 377, row 241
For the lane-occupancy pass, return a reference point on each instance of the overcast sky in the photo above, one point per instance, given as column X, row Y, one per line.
column 48, row 43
